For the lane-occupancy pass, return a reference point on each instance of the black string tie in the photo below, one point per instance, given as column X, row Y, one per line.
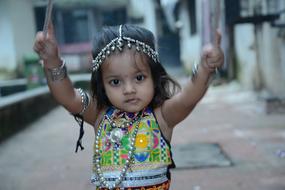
column 79, row 119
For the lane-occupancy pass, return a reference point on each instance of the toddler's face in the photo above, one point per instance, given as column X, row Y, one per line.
column 128, row 81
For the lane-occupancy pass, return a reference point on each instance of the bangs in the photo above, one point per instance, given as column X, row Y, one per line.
column 140, row 61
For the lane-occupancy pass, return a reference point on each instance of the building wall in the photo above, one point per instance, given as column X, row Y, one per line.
column 17, row 32
column 146, row 10
column 7, row 45
column 271, row 61
column 246, row 53
column 190, row 45
column 259, row 50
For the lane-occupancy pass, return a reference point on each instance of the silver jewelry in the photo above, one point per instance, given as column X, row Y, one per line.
column 214, row 74
column 58, row 73
column 124, row 125
column 194, row 71
column 118, row 43
column 103, row 181
column 117, row 133
column 85, row 100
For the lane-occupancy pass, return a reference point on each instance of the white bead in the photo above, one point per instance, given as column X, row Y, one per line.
column 113, row 186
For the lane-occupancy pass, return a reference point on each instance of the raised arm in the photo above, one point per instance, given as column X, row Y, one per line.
column 59, row 83
column 181, row 105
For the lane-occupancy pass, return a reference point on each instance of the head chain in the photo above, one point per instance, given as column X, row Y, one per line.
column 117, row 43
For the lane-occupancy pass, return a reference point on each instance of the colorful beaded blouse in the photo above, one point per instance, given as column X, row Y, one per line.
column 151, row 157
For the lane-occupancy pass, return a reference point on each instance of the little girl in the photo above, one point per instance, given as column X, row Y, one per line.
column 134, row 105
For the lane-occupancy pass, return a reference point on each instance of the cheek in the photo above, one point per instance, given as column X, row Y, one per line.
column 110, row 92
column 149, row 93
column 113, row 94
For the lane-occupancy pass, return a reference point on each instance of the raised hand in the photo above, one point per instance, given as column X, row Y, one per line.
column 47, row 48
column 212, row 54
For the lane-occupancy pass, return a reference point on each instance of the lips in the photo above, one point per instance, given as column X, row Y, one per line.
column 132, row 101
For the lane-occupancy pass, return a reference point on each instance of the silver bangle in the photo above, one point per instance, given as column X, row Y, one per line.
column 85, row 100
column 194, row 71
column 194, row 74
column 58, row 73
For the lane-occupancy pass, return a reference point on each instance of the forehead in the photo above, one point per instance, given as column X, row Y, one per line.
column 129, row 60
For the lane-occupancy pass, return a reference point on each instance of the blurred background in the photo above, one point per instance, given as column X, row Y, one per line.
column 251, row 81
column 253, row 34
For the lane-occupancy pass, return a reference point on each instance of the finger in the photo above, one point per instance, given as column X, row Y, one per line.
column 47, row 17
column 39, row 37
column 207, row 50
column 39, row 40
column 214, row 60
column 50, row 31
column 206, row 53
column 38, row 48
column 50, row 28
column 218, row 38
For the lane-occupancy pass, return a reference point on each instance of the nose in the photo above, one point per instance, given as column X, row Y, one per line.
column 129, row 88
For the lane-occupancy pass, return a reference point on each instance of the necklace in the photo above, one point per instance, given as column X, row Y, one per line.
column 117, row 137
column 117, row 133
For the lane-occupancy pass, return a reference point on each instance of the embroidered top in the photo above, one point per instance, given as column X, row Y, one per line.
column 152, row 155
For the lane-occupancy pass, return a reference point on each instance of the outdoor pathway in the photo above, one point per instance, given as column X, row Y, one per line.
column 42, row 157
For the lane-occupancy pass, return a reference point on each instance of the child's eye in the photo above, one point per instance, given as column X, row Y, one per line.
column 140, row 77
column 115, row 82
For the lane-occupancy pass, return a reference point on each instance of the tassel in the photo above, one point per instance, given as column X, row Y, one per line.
column 79, row 119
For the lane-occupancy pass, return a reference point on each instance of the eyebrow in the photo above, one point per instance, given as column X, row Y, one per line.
column 111, row 76
column 117, row 76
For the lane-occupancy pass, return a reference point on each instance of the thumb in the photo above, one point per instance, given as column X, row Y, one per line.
column 218, row 38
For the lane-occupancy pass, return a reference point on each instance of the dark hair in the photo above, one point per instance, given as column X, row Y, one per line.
column 165, row 86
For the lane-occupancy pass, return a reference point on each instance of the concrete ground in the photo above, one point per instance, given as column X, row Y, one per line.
column 42, row 157
column 254, row 141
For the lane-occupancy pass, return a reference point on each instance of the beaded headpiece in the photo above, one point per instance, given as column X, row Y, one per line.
column 118, row 43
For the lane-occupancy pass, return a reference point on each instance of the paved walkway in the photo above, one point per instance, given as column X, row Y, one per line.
column 42, row 156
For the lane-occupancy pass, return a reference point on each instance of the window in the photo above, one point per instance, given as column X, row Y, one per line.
column 115, row 17
column 75, row 26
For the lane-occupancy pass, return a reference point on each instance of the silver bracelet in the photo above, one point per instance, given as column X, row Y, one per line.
column 194, row 74
column 85, row 100
column 194, row 71
column 57, row 74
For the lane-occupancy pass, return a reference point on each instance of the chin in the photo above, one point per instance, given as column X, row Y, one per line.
column 131, row 108
column 134, row 110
